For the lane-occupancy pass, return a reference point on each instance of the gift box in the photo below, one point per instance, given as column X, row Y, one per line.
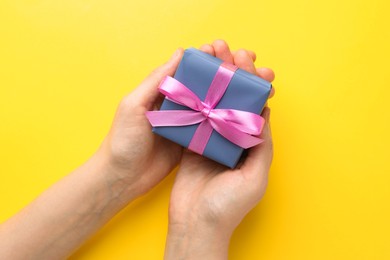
column 210, row 106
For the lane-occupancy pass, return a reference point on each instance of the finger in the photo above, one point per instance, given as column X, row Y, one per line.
column 147, row 92
column 243, row 60
column 272, row 92
column 158, row 101
column 222, row 51
column 251, row 53
column 207, row 48
column 268, row 75
column 259, row 157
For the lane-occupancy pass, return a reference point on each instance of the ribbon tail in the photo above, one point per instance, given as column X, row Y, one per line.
column 244, row 121
column 234, row 135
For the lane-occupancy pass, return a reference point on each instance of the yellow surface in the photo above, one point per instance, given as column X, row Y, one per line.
column 65, row 64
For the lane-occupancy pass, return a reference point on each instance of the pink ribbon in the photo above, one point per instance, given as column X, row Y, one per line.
column 235, row 125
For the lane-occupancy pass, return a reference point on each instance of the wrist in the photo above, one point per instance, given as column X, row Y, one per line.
column 115, row 179
column 195, row 241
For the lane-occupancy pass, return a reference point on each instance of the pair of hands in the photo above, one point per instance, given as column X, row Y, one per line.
column 207, row 198
column 207, row 202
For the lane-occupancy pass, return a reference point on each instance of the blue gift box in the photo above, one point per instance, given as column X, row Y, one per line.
column 245, row 92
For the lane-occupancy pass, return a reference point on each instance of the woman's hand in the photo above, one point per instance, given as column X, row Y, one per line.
column 133, row 153
column 208, row 200
column 130, row 161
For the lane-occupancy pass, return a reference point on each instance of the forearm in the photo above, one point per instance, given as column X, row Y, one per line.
column 193, row 241
column 60, row 219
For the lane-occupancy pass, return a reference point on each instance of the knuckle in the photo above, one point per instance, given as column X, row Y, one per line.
column 127, row 103
column 242, row 53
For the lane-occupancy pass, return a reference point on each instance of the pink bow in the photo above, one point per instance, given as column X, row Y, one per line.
column 235, row 125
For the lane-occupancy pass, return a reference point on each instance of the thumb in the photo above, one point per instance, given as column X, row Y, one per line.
column 260, row 157
column 147, row 93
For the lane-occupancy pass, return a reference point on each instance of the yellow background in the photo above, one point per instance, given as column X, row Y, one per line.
column 64, row 66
